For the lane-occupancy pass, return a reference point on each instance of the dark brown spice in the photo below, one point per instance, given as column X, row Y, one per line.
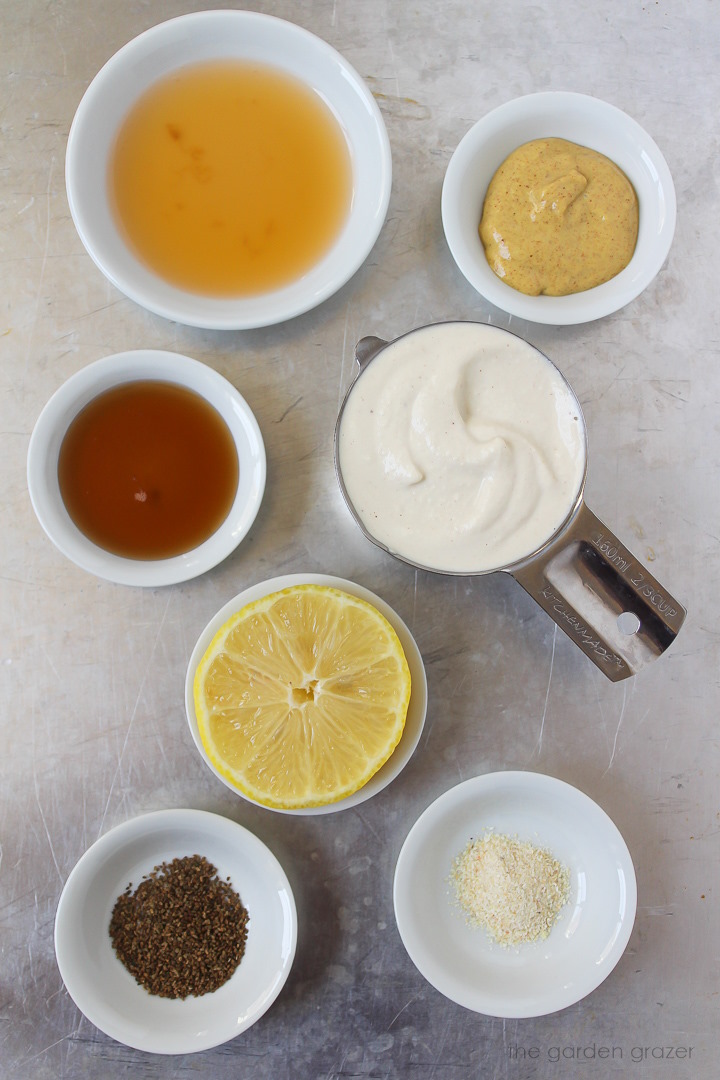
column 182, row 931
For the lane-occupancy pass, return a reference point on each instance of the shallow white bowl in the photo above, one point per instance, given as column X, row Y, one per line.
column 194, row 38
column 107, row 993
column 580, row 119
column 85, row 385
column 462, row 962
column 417, row 708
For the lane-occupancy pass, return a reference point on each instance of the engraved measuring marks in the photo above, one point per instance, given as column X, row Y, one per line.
column 645, row 586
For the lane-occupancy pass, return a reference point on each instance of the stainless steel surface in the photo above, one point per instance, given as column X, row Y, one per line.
column 92, row 674
column 586, row 580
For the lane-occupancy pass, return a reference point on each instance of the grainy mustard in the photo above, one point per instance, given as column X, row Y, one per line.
column 558, row 218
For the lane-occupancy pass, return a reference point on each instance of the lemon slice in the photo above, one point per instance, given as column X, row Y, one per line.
column 302, row 696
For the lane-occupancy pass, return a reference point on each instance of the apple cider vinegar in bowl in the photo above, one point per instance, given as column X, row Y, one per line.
column 228, row 170
column 230, row 178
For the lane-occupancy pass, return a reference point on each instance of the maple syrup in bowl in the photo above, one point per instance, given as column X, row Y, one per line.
column 228, row 170
column 146, row 468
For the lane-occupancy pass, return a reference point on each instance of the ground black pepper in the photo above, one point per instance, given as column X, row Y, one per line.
column 182, row 931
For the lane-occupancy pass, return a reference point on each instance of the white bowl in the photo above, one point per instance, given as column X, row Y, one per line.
column 582, row 948
column 195, row 38
column 85, row 385
column 417, row 708
column 588, row 122
column 104, row 990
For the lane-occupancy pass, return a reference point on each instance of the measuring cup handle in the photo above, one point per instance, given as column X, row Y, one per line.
column 600, row 595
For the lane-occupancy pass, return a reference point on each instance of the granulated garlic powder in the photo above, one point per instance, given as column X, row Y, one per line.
column 511, row 889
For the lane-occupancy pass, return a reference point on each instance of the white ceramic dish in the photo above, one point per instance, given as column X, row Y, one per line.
column 101, row 986
column 580, row 119
column 208, row 35
column 462, row 962
column 415, row 719
column 81, row 388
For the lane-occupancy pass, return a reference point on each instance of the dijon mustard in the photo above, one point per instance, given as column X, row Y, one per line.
column 558, row 218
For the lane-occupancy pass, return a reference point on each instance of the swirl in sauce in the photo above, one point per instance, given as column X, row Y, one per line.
column 461, row 448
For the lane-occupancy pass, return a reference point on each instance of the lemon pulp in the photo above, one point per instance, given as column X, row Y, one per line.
column 302, row 696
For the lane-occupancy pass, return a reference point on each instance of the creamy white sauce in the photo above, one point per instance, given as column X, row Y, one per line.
column 461, row 448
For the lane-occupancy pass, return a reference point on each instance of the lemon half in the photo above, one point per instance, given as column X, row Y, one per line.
column 302, row 696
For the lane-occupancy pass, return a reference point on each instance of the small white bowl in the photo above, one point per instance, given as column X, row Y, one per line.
column 105, row 991
column 417, row 708
column 583, row 947
column 194, row 38
column 81, row 388
column 588, row 122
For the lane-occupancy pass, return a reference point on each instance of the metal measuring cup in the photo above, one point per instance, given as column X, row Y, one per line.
column 583, row 576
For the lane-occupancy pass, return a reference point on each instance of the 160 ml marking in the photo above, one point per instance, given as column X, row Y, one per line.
column 612, row 553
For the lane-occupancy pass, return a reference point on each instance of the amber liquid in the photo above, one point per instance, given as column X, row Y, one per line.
column 148, row 470
column 230, row 178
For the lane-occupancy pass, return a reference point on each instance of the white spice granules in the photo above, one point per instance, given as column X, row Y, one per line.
column 511, row 889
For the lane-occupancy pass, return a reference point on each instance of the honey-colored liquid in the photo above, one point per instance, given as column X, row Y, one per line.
column 148, row 470
column 230, row 178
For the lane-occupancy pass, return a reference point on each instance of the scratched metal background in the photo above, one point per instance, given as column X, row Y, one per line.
column 93, row 727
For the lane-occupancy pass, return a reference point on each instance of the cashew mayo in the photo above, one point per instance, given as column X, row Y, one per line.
column 461, row 448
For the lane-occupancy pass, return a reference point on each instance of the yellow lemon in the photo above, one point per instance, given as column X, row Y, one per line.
column 302, row 696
